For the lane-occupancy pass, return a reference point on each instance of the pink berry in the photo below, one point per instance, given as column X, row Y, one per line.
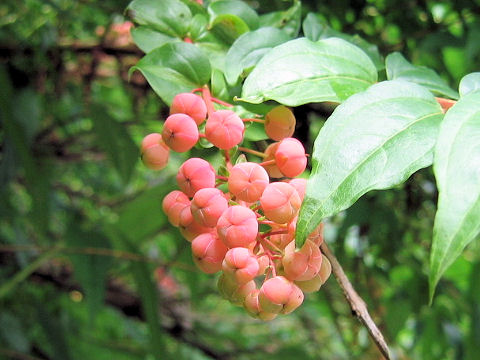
column 180, row 132
column 224, row 129
column 247, row 181
column 191, row 105
column 154, row 152
column 316, row 235
column 272, row 169
column 192, row 230
column 279, row 123
column 279, row 295
column 195, row 174
column 233, row 291
column 177, row 207
column 207, row 206
column 282, row 240
column 290, row 157
column 302, row 264
column 253, row 308
column 238, row 226
column 300, row 185
column 208, row 252
column 240, row 264
column 325, row 269
column 310, row 286
column 280, row 202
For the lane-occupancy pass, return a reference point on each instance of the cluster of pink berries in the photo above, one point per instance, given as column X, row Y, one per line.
column 246, row 231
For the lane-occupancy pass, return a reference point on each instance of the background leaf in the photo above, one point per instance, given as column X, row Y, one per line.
column 456, row 166
column 399, row 68
column 302, row 71
column 114, row 139
column 175, row 68
column 287, row 20
column 248, row 49
column 316, row 28
column 374, row 140
column 170, row 17
column 89, row 270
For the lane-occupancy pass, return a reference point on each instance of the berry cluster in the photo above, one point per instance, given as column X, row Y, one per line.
column 247, row 230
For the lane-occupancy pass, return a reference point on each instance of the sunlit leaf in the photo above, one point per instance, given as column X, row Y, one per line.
column 399, row 68
column 248, row 49
column 456, row 166
column 374, row 140
column 170, row 17
column 174, row 68
column 302, row 71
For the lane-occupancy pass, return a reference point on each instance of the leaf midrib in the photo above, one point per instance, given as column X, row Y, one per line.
column 369, row 156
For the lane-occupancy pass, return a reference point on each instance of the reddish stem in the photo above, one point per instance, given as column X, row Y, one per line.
column 207, row 97
column 268, row 162
column 220, row 177
column 253, row 152
column 278, row 232
column 202, row 135
column 196, row 90
column 218, row 101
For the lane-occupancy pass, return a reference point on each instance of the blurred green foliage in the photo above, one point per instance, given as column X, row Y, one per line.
column 89, row 267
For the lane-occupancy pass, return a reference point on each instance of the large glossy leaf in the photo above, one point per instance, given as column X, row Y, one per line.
column 316, row 28
column 148, row 39
column 456, row 167
column 249, row 48
column 174, row 68
column 399, row 68
column 374, row 140
column 170, row 17
column 301, row 71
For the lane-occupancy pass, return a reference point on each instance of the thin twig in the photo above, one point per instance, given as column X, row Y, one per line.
column 358, row 306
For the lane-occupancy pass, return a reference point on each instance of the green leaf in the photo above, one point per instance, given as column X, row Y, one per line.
column 456, row 167
column 374, row 140
column 148, row 39
column 288, row 20
column 255, row 132
column 301, row 71
column 195, row 7
column 234, row 7
column 228, row 27
column 147, row 290
column 315, row 28
column 114, row 139
column 469, row 83
column 143, row 216
column 248, row 49
column 399, row 68
column 89, row 270
column 13, row 333
column 170, row 17
column 175, row 68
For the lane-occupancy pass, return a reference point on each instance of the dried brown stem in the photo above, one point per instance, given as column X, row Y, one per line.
column 358, row 306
